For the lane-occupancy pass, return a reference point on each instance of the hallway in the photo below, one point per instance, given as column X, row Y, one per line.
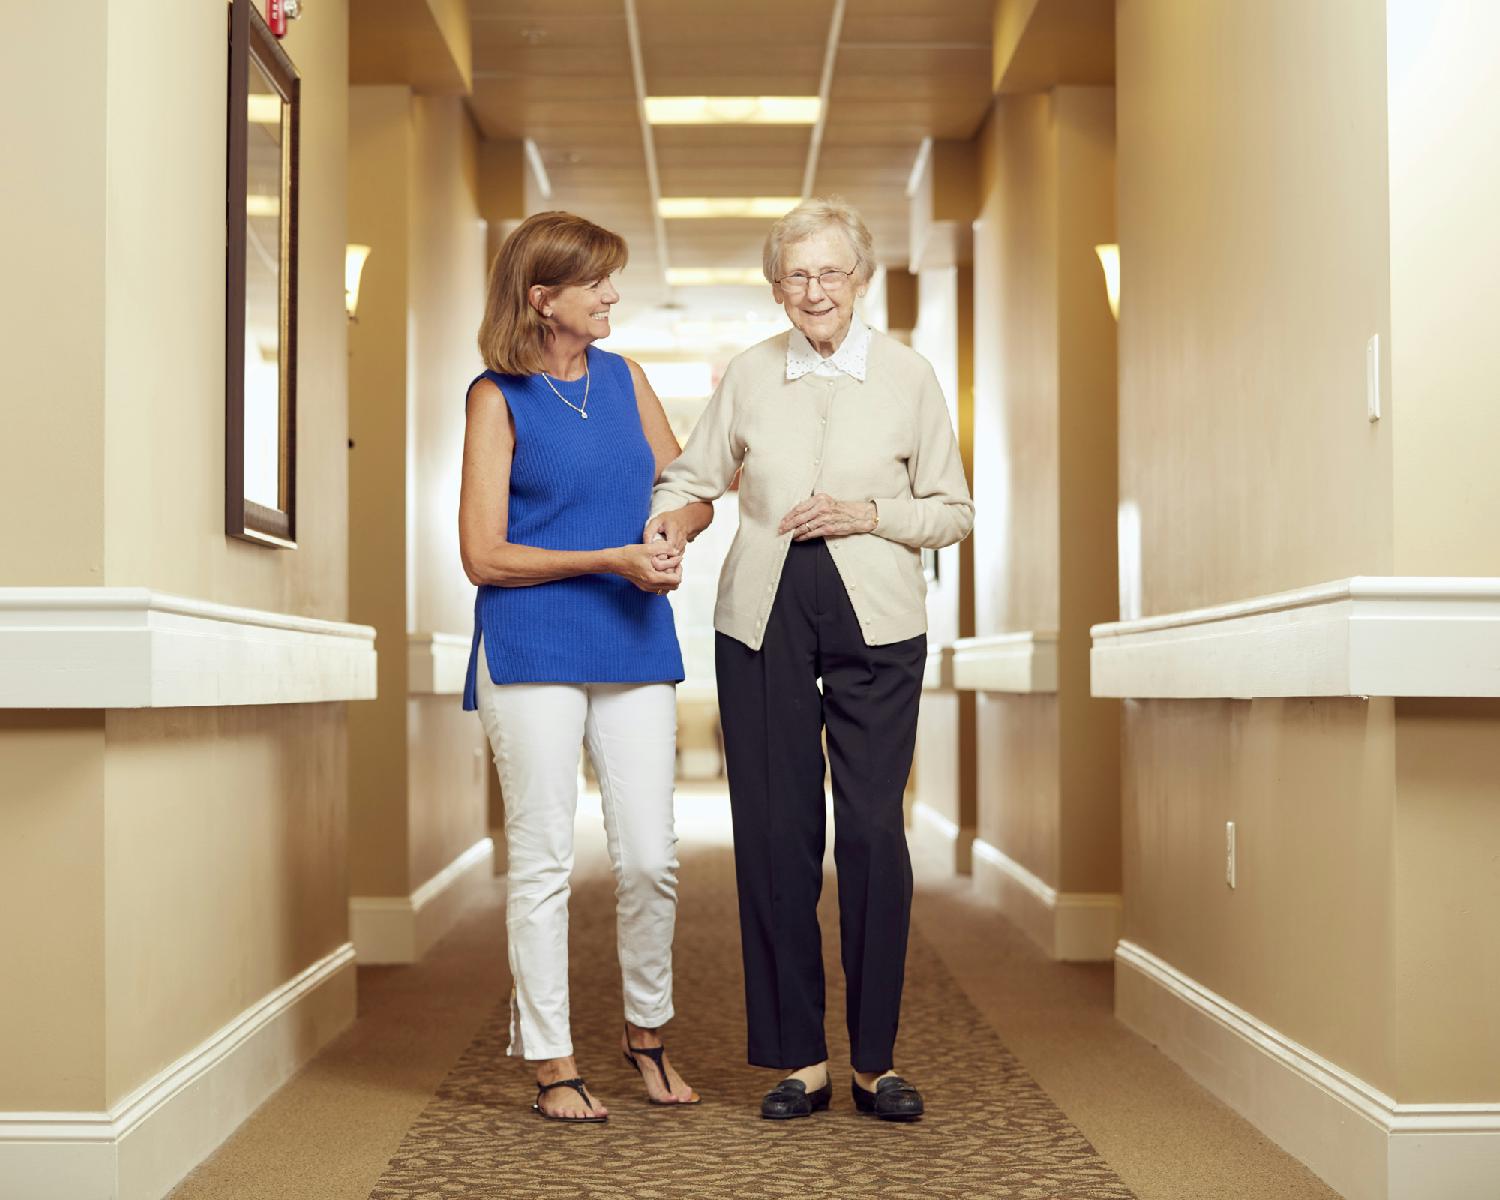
column 1152, row 379
column 419, row 1099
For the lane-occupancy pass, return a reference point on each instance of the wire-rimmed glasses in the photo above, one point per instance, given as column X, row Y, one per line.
column 831, row 280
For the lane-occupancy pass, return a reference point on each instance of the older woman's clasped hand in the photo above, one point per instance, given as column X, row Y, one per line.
column 821, row 516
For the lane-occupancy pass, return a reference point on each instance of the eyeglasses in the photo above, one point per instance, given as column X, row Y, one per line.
column 831, row 280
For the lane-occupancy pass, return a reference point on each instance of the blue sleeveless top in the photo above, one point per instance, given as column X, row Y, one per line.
column 576, row 484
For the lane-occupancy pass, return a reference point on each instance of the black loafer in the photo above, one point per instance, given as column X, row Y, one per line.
column 790, row 1098
column 892, row 1100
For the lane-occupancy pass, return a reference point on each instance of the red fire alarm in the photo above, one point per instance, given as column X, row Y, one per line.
column 276, row 17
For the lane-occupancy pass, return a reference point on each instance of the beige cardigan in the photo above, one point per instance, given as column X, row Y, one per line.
column 888, row 439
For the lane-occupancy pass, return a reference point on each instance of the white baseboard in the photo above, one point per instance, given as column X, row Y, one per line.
column 401, row 929
column 1007, row 662
column 437, row 663
column 937, row 834
column 103, row 647
column 1363, row 1143
column 1069, row 926
column 142, row 1146
column 1379, row 636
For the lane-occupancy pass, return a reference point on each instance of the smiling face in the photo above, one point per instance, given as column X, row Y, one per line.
column 579, row 311
column 823, row 315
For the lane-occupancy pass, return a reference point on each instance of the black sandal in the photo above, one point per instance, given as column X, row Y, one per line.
column 578, row 1086
column 654, row 1053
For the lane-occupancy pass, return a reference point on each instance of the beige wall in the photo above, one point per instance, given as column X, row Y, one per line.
column 52, row 897
column 446, row 304
column 1445, row 1038
column 1278, row 204
column 1303, row 940
column 417, row 800
column 380, row 215
column 1445, row 285
column 225, row 869
column 52, row 307
column 1016, row 466
column 1015, row 369
column 1044, row 445
column 1252, row 220
column 164, row 317
column 1088, row 729
column 164, row 869
column 1252, row 212
column 945, row 760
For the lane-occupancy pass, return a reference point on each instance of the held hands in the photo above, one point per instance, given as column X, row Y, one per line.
column 821, row 516
column 652, row 568
column 672, row 527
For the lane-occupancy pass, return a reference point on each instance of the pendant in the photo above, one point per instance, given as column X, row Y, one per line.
column 584, row 415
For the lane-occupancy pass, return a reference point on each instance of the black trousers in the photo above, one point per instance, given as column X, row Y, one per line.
column 774, row 715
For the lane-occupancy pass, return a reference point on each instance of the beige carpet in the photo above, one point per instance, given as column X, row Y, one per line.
column 990, row 1130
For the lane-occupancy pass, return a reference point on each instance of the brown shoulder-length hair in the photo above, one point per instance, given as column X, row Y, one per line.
column 555, row 250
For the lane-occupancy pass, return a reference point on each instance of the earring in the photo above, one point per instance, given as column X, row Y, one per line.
column 546, row 312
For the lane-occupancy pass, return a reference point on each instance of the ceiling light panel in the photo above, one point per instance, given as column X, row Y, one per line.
column 733, row 110
column 725, row 207
column 715, row 277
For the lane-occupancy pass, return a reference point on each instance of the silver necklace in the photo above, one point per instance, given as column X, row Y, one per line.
column 578, row 408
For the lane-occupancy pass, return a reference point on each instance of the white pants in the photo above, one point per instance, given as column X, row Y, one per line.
column 535, row 730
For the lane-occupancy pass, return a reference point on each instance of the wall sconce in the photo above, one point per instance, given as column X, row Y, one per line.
column 1109, row 261
column 354, row 265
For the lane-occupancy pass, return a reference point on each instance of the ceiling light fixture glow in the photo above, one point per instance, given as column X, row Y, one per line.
column 733, row 110
column 1109, row 262
column 679, row 380
column 263, row 108
column 715, row 277
column 699, row 207
column 354, row 267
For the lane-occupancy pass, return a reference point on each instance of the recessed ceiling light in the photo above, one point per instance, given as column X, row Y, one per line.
column 715, row 276
column 733, row 110
column 689, row 207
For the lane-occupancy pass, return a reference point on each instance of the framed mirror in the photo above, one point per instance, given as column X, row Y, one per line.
column 260, row 419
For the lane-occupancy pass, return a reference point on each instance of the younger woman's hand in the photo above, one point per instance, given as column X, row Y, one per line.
column 652, row 568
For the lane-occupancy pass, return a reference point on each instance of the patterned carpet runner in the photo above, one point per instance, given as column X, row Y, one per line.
column 990, row 1131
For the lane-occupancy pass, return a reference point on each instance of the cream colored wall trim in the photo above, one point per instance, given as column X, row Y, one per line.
column 401, row 929
column 1366, row 636
column 437, row 663
column 936, row 833
column 82, row 647
column 1006, row 662
column 1361, row 1141
column 142, row 1146
column 1070, row 926
column 937, row 676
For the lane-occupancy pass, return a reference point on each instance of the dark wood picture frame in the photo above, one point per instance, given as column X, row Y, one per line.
column 243, row 518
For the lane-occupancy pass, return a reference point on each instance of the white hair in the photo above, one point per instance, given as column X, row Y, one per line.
column 813, row 216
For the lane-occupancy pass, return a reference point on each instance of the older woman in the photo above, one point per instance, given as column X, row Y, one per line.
column 848, row 465
column 573, row 636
